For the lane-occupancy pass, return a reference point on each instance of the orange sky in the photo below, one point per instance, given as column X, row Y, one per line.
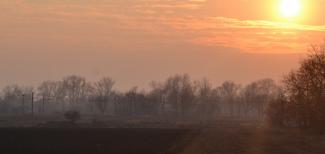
column 135, row 41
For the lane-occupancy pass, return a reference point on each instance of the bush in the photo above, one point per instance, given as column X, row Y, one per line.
column 72, row 116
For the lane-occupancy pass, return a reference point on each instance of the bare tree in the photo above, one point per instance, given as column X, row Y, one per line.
column 52, row 91
column 180, row 93
column 305, row 89
column 103, row 90
column 229, row 93
column 13, row 99
column 304, row 92
column 207, row 103
column 278, row 111
column 257, row 96
column 77, row 89
column 157, row 96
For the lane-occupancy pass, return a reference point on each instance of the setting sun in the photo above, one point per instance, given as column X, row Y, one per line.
column 290, row 8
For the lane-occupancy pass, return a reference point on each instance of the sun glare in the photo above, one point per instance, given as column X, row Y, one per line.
column 290, row 8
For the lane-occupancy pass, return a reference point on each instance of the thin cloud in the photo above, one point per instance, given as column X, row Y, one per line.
column 171, row 20
column 251, row 35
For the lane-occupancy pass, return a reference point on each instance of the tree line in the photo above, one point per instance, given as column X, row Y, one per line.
column 177, row 96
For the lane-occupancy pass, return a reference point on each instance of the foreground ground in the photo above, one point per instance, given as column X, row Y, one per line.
column 210, row 139
column 88, row 140
column 254, row 140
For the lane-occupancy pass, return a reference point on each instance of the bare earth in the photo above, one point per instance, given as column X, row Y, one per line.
column 231, row 138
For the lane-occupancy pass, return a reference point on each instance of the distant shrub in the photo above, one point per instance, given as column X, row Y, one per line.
column 72, row 116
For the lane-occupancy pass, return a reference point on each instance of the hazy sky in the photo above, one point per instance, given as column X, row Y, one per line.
column 136, row 41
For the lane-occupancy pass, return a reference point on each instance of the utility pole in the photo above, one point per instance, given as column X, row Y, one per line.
column 23, row 104
column 43, row 101
column 33, row 104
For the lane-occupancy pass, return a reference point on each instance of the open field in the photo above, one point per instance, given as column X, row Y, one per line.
column 254, row 140
column 219, row 138
column 87, row 141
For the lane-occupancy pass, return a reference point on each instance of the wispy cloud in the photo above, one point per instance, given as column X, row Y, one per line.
column 255, row 35
column 171, row 20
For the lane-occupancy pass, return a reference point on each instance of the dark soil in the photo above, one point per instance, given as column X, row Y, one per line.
column 219, row 138
column 253, row 140
column 88, row 141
